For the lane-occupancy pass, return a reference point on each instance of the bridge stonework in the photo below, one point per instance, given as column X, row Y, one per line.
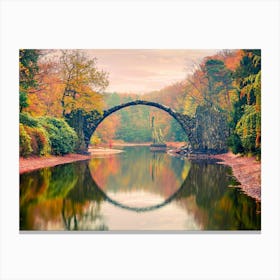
column 206, row 131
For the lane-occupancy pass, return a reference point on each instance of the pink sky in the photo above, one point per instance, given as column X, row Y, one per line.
column 140, row 71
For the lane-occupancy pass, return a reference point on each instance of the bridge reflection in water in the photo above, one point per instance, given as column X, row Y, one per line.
column 92, row 195
column 141, row 209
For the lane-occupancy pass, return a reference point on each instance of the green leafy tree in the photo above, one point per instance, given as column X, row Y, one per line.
column 28, row 69
column 219, row 83
column 246, row 114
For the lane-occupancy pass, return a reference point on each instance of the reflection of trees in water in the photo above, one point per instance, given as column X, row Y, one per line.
column 62, row 180
column 44, row 187
column 138, row 169
column 86, row 195
column 87, row 219
column 156, row 164
column 33, row 186
column 208, row 182
column 226, row 207
column 72, row 200
column 69, row 198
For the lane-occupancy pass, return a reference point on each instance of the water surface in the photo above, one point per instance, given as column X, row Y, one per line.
column 135, row 190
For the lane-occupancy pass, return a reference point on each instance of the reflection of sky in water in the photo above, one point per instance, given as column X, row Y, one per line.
column 170, row 216
column 136, row 198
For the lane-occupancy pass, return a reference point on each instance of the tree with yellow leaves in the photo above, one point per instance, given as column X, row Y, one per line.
column 82, row 82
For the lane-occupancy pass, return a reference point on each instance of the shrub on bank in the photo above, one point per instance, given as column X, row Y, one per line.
column 62, row 137
column 248, row 129
column 24, row 142
column 44, row 135
column 39, row 140
column 28, row 120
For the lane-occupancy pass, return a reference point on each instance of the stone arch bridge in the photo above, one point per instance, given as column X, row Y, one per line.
column 207, row 131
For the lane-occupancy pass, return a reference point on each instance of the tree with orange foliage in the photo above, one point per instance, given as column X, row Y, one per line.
column 211, row 83
column 82, row 82
column 46, row 100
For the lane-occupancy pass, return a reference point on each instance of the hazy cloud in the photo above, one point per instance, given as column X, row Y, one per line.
column 146, row 70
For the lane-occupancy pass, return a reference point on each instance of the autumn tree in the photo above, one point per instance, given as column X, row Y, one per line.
column 82, row 82
column 219, row 82
column 46, row 100
column 28, row 68
column 212, row 83
column 209, row 85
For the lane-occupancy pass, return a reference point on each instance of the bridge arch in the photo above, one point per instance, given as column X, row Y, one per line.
column 184, row 121
column 207, row 131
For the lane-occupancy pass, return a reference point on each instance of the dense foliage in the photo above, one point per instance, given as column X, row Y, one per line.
column 62, row 137
column 45, row 135
column 230, row 82
column 24, row 142
column 246, row 114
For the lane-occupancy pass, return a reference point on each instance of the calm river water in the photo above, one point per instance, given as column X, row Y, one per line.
column 135, row 190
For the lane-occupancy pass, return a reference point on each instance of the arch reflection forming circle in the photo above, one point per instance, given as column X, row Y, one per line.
column 141, row 209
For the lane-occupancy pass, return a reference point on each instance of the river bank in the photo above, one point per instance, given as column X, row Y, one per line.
column 33, row 163
column 247, row 171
